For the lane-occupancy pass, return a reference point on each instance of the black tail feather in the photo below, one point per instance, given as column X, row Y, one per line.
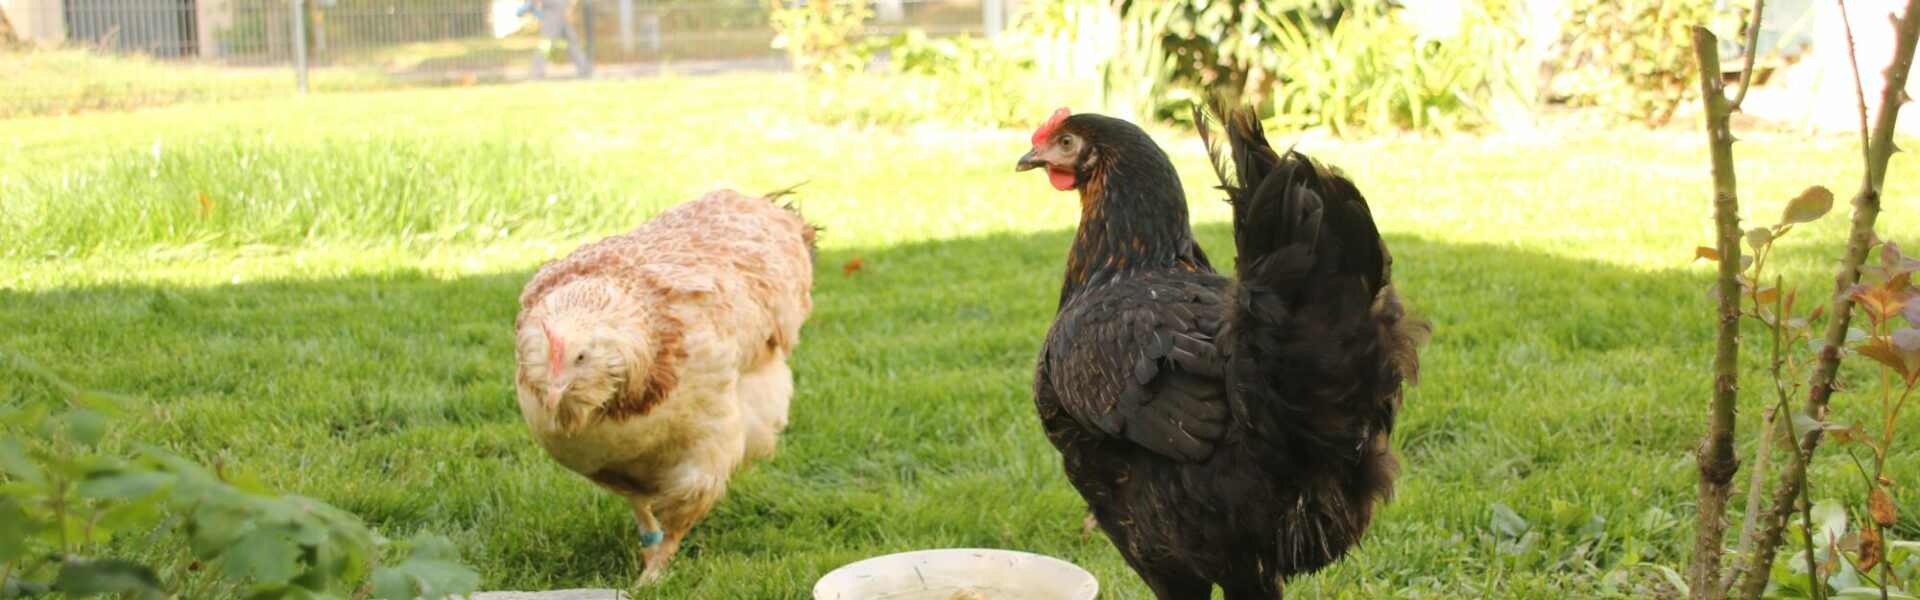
column 1319, row 342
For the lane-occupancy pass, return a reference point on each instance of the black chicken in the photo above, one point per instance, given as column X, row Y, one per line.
column 1223, row 432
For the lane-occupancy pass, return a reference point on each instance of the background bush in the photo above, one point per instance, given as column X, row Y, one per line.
column 1353, row 66
column 1633, row 58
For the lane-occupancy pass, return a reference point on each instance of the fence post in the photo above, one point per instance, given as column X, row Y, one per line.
column 994, row 15
column 626, row 26
column 299, row 25
column 586, row 22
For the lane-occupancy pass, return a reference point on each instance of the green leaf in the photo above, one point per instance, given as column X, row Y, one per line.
column 1758, row 238
column 430, row 546
column 214, row 527
column 123, row 485
column 1802, row 424
column 1808, row 207
column 132, row 515
column 265, row 555
column 440, row 578
column 1673, row 578
column 16, row 527
column 13, row 461
column 85, row 426
column 109, row 576
column 1829, row 521
column 390, row 584
column 1507, row 523
column 430, row 571
column 1867, row 593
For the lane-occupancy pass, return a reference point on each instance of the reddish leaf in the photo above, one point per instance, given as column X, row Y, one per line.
column 1766, row 295
column 1840, row 436
column 1879, row 351
column 1878, row 300
column 1880, row 505
column 1817, row 311
column 1808, row 207
column 853, row 264
column 1706, row 253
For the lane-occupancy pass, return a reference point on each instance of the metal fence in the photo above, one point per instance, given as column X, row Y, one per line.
column 163, row 50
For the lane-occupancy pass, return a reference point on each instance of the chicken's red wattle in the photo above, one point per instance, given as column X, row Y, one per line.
column 1061, row 179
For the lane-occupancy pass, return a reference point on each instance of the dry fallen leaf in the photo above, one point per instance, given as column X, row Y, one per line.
column 853, row 264
column 1880, row 505
column 206, row 207
column 1869, row 550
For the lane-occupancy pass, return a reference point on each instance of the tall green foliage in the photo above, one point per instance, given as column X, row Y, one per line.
column 821, row 37
column 1350, row 65
column 69, row 488
column 1633, row 57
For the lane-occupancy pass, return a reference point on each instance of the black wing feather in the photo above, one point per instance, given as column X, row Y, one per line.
column 1155, row 334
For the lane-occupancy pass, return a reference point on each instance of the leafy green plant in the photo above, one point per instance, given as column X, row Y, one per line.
column 1845, row 560
column 1373, row 71
column 821, row 37
column 1354, row 66
column 1886, row 299
column 961, row 80
column 1631, row 58
column 1880, row 299
column 1573, row 539
column 68, row 489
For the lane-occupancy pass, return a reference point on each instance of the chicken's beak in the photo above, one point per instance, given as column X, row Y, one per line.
column 555, row 393
column 1029, row 161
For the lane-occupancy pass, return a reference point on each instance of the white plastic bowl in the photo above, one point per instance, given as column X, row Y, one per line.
column 939, row 574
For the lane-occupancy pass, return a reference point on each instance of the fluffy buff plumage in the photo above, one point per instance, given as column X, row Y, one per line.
column 654, row 363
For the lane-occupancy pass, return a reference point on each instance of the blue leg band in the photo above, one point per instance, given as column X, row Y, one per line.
column 652, row 538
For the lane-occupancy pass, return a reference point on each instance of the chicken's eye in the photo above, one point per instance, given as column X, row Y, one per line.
column 580, row 358
column 1066, row 141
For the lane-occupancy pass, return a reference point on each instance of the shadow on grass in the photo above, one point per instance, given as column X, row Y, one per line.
column 1548, row 379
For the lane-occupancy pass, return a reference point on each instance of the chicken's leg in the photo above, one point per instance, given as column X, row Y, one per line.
column 652, row 539
column 676, row 519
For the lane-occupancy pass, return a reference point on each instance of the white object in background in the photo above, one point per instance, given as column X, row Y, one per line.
column 626, row 26
column 940, row 574
column 500, row 14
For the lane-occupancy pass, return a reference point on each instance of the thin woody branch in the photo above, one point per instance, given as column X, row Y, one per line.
column 1716, row 458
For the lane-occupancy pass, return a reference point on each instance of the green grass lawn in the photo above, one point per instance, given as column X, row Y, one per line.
column 335, row 315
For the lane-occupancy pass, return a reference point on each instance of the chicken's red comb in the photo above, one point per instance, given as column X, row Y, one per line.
column 1046, row 129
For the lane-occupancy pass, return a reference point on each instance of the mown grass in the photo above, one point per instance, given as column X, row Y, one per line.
column 334, row 316
column 55, row 81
